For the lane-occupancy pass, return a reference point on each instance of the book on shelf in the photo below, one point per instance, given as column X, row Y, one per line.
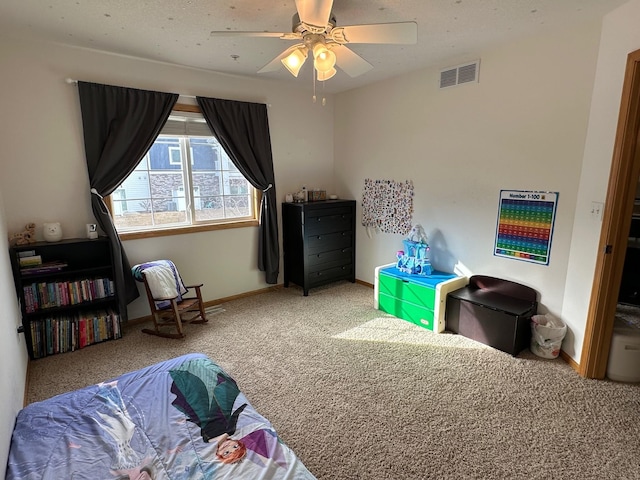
column 26, row 253
column 30, row 261
column 46, row 267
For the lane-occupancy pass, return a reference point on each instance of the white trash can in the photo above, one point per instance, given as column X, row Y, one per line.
column 547, row 333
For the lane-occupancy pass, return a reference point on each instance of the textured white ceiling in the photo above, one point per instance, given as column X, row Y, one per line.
column 178, row 31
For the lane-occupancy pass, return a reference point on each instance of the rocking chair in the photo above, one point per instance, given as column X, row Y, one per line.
column 167, row 301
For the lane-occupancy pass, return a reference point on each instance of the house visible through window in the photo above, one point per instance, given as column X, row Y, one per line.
column 185, row 179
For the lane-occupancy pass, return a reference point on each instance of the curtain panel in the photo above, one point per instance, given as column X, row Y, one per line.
column 242, row 128
column 120, row 125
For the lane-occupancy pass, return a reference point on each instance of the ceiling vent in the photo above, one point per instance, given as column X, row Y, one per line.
column 466, row 73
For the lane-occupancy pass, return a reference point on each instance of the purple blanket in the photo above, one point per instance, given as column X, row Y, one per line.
column 184, row 418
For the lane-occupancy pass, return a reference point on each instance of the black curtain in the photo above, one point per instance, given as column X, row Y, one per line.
column 120, row 125
column 242, row 128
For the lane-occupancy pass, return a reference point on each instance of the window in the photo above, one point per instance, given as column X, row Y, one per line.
column 175, row 156
column 186, row 179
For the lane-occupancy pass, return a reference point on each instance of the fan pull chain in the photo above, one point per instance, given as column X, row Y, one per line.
column 324, row 100
column 315, row 98
column 313, row 73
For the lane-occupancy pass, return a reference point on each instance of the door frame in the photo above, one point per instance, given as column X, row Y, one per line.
column 621, row 191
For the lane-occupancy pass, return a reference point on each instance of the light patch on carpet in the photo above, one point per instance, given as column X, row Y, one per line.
column 213, row 310
column 209, row 311
column 395, row 330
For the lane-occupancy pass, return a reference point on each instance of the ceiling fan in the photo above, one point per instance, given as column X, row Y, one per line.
column 315, row 29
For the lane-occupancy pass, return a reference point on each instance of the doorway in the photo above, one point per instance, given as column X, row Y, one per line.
column 621, row 191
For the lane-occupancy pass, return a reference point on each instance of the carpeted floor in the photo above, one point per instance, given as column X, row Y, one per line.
column 361, row 395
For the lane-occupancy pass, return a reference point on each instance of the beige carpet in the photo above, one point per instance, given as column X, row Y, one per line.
column 361, row 395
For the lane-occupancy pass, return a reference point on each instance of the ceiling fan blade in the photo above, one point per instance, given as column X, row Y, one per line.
column 276, row 63
column 314, row 12
column 350, row 62
column 400, row 32
column 229, row 33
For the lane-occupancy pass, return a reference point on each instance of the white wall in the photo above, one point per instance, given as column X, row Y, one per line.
column 44, row 174
column 532, row 122
column 13, row 366
column 620, row 36
column 523, row 126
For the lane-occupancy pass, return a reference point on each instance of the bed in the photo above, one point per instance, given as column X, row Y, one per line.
column 183, row 418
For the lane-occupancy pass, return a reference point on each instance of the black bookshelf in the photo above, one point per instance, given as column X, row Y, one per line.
column 68, row 300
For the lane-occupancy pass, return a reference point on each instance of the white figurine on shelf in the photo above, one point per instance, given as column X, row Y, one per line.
column 52, row 231
column 417, row 234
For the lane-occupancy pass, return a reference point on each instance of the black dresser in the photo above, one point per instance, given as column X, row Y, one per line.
column 319, row 242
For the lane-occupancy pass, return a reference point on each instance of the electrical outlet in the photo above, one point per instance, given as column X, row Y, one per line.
column 596, row 210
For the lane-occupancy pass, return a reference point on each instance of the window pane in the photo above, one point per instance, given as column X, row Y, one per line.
column 235, row 184
column 136, row 186
column 206, row 154
column 212, row 209
column 166, row 216
column 160, row 154
column 209, row 183
column 168, row 191
column 237, row 206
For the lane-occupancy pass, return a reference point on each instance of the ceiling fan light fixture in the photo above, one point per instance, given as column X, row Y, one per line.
column 324, row 59
column 322, row 76
column 294, row 61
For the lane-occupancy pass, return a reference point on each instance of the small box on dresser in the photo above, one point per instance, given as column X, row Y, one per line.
column 319, row 242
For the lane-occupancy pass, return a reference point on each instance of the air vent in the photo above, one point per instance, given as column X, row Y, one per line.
column 453, row 76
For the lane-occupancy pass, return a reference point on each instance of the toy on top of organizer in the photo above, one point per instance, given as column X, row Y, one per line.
column 415, row 258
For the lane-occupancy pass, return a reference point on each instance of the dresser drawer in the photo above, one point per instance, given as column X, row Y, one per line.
column 343, row 255
column 405, row 290
column 327, row 275
column 325, row 212
column 417, row 314
column 337, row 222
column 328, row 242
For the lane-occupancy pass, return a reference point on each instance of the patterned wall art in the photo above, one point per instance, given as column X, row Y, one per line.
column 387, row 205
column 525, row 225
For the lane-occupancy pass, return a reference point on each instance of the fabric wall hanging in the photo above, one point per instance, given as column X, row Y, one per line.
column 387, row 205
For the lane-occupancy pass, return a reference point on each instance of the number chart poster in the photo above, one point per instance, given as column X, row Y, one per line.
column 525, row 225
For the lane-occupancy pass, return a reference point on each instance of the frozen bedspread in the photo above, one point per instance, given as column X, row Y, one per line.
column 184, row 418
